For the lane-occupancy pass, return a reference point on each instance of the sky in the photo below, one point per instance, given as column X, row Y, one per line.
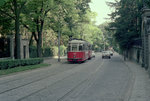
column 100, row 7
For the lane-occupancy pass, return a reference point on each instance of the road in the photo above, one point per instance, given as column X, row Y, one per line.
column 94, row 80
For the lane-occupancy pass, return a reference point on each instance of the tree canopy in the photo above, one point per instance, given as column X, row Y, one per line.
column 126, row 19
column 42, row 20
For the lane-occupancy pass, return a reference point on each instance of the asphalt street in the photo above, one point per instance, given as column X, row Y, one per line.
column 94, row 80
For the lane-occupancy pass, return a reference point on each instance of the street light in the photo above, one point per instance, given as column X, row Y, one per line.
column 113, row 28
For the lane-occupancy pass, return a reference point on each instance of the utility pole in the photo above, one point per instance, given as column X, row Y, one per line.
column 104, row 42
column 104, row 45
column 59, row 44
column 59, row 39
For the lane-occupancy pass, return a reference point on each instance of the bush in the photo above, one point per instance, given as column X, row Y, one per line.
column 5, row 64
column 33, row 52
column 55, row 51
column 47, row 52
column 62, row 50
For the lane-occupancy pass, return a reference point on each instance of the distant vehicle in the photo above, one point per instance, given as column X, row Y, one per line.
column 111, row 53
column 106, row 54
column 79, row 50
column 93, row 54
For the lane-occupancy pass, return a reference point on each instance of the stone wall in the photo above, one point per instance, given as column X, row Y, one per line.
column 135, row 54
column 24, row 49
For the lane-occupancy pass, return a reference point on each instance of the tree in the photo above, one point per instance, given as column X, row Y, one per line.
column 126, row 19
column 6, row 24
column 34, row 19
column 14, row 8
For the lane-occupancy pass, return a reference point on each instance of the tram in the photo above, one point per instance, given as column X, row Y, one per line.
column 79, row 50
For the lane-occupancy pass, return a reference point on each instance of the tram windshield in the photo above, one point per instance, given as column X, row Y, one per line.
column 74, row 47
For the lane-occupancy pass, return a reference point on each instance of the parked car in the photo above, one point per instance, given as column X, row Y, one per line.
column 93, row 54
column 106, row 54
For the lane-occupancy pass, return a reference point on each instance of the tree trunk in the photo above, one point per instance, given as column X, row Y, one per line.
column 39, row 45
column 31, row 40
column 17, row 35
column 39, row 42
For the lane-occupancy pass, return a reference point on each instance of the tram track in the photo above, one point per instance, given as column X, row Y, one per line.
column 75, row 96
column 56, row 83
column 45, row 87
column 12, row 80
column 41, row 89
column 89, row 81
column 42, row 78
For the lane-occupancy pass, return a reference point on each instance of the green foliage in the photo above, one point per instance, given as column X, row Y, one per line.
column 33, row 52
column 6, row 21
column 47, row 52
column 2, row 2
column 62, row 50
column 5, row 64
column 55, row 50
column 45, row 18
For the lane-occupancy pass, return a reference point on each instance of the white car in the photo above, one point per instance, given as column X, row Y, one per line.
column 93, row 54
column 111, row 53
column 106, row 54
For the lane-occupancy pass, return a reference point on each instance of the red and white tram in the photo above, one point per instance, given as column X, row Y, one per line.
column 79, row 50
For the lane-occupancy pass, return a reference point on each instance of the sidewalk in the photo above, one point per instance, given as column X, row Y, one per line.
column 140, row 90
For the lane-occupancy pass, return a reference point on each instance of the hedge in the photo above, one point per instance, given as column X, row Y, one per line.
column 46, row 52
column 6, row 64
column 33, row 52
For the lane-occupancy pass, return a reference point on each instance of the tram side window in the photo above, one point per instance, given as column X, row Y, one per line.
column 83, row 47
column 74, row 48
column 90, row 47
column 80, row 47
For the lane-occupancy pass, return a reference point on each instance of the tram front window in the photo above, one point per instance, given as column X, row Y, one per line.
column 74, row 48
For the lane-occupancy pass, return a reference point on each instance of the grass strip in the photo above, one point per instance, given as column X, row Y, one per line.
column 22, row 68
